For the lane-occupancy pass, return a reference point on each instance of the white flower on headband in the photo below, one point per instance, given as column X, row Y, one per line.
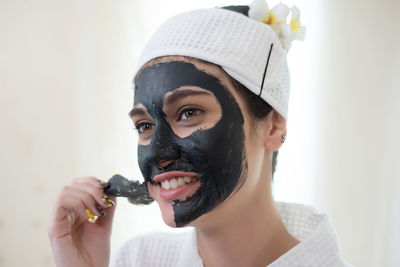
column 276, row 18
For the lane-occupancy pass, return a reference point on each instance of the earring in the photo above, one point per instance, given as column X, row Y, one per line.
column 283, row 139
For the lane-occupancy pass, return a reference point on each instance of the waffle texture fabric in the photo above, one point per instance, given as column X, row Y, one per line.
column 240, row 45
column 319, row 244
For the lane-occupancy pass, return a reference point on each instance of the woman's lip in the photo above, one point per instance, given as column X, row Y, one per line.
column 181, row 192
column 172, row 174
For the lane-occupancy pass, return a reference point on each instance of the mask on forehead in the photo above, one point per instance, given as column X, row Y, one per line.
column 216, row 154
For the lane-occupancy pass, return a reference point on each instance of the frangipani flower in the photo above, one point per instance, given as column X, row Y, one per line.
column 276, row 18
column 294, row 30
column 260, row 11
column 277, row 14
column 299, row 30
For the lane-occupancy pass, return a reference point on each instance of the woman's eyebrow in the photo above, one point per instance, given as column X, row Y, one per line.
column 177, row 94
column 136, row 111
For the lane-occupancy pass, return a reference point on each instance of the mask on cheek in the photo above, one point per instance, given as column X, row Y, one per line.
column 216, row 154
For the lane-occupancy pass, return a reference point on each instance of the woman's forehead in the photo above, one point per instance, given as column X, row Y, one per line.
column 202, row 68
column 209, row 68
column 160, row 78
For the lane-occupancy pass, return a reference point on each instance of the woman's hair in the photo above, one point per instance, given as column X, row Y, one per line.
column 257, row 107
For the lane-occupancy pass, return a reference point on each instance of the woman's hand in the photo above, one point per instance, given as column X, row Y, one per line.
column 74, row 240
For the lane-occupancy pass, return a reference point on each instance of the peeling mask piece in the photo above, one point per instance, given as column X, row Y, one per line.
column 216, row 154
column 135, row 191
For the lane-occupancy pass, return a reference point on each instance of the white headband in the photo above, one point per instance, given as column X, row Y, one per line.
column 241, row 46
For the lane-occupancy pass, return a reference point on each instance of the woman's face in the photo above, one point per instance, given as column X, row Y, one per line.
column 192, row 147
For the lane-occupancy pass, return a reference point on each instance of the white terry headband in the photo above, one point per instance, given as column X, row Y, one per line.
column 240, row 45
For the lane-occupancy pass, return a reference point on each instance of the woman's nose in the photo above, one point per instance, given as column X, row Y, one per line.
column 163, row 148
column 164, row 163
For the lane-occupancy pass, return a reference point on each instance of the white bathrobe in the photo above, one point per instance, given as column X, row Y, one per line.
column 318, row 245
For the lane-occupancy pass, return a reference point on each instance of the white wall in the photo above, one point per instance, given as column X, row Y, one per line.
column 65, row 72
column 359, row 126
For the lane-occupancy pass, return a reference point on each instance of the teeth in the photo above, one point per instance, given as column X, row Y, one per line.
column 165, row 184
column 173, row 183
column 177, row 182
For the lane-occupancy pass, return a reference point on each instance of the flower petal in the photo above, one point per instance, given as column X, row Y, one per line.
column 276, row 28
column 259, row 10
column 300, row 33
column 295, row 13
column 281, row 12
column 287, row 32
column 286, row 44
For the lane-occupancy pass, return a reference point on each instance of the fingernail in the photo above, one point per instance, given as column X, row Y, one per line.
column 102, row 183
column 92, row 217
column 100, row 210
column 107, row 201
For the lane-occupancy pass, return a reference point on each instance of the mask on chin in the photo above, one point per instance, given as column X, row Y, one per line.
column 216, row 154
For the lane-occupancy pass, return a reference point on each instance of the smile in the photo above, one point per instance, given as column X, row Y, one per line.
column 177, row 184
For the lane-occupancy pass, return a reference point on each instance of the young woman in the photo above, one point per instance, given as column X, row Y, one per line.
column 210, row 106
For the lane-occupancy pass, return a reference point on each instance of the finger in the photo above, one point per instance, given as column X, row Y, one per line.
column 87, row 197
column 67, row 204
column 102, row 199
column 91, row 180
column 106, row 221
column 69, row 215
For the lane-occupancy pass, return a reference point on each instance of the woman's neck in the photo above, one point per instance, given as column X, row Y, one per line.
column 251, row 234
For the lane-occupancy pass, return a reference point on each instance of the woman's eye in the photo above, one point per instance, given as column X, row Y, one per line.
column 144, row 127
column 187, row 113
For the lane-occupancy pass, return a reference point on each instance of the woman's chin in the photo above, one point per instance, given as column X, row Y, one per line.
column 166, row 208
column 167, row 213
column 169, row 221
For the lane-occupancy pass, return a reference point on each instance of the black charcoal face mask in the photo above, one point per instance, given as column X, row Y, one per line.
column 217, row 154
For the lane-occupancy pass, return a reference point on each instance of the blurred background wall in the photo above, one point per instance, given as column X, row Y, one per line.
column 65, row 81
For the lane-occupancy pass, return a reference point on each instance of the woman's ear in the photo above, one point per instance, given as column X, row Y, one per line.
column 275, row 131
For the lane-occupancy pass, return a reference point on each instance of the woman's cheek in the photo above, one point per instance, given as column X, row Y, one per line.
column 167, row 212
column 152, row 190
